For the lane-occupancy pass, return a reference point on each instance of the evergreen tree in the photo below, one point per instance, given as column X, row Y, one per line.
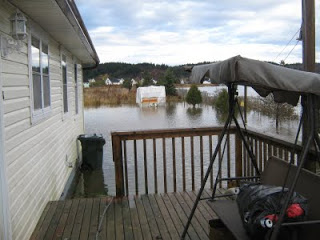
column 221, row 102
column 127, row 84
column 194, row 96
column 169, row 81
column 147, row 80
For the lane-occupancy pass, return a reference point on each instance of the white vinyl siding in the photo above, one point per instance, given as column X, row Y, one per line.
column 36, row 153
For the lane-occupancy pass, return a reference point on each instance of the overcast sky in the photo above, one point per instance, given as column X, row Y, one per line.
column 179, row 32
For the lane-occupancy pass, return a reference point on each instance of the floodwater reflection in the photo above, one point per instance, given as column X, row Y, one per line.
column 106, row 119
column 194, row 113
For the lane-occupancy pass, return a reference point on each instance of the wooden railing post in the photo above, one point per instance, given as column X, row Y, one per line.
column 118, row 165
column 238, row 156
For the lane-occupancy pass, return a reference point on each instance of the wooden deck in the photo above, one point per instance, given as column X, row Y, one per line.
column 156, row 216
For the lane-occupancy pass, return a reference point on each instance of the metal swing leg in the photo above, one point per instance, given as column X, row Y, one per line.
column 301, row 161
column 206, row 177
column 225, row 128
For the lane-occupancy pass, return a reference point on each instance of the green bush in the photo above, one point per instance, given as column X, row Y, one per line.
column 194, row 96
column 221, row 102
column 127, row 84
column 147, row 79
column 169, row 81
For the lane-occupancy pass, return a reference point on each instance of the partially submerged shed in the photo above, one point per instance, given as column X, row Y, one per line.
column 151, row 96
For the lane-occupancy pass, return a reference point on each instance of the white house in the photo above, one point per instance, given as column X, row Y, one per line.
column 116, row 81
column 86, row 85
column 133, row 82
column 41, row 107
column 92, row 80
column 154, row 81
column 108, row 82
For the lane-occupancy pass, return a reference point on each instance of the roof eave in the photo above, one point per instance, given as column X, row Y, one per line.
column 70, row 10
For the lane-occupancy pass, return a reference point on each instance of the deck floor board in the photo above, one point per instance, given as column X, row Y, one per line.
column 153, row 216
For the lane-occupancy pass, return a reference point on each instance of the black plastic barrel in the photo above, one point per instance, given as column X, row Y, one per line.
column 92, row 151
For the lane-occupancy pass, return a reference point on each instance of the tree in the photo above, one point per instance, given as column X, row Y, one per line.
column 147, row 80
column 194, row 96
column 221, row 102
column 169, row 81
column 278, row 111
column 127, row 84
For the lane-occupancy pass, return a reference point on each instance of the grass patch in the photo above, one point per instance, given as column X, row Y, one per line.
column 108, row 95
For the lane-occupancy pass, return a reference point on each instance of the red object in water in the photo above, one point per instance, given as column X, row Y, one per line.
column 294, row 210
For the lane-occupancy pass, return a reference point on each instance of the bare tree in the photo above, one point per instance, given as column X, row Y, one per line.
column 278, row 111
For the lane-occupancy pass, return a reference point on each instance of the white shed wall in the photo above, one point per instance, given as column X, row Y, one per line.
column 36, row 153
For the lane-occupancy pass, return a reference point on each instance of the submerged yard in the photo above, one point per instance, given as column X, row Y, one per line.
column 129, row 117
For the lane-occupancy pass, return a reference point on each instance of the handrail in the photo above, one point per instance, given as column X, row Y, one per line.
column 167, row 148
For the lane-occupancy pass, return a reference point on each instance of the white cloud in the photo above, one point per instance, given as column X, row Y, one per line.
column 177, row 32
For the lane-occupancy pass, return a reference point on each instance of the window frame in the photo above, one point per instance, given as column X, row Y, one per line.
column 63, row 54
column 76, row 87
column 43, row 112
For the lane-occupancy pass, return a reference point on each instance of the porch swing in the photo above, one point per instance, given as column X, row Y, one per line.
column 286, row 85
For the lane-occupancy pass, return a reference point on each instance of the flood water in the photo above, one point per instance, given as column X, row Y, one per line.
column 106, row 119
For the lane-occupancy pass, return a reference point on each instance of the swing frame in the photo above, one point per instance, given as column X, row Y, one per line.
column 313, row 139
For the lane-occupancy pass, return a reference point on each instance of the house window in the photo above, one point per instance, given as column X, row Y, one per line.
column 40, row 75
column 65, row 83
column 76, row 88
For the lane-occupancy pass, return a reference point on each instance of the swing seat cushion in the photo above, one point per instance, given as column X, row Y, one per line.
column 308, row 185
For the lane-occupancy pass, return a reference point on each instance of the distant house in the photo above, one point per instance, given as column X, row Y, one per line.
column 108, row 82
column 121, row 81
column 86, row 85
column 92, row 80
column 133, row 82
column 41, row 107
column 154, row 81
column 116, row 81
column 206, row 80
column 181, row 81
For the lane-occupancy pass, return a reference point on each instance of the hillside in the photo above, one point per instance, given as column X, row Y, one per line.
column 129, row 71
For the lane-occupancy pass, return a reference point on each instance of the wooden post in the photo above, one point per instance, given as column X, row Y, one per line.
column 308, row 35
column 118, row 165
column 308, row 46
column 238, row 156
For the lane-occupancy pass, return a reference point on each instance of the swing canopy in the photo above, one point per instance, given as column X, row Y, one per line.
column 286, row 84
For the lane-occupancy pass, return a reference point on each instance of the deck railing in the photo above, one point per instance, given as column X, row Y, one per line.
column 172, row 160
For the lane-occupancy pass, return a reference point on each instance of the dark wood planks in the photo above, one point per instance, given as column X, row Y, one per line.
column 127, row 225
column 143, row 219
column 84, row 231
column 153, row 216
column 136, row 227
column 78, row 220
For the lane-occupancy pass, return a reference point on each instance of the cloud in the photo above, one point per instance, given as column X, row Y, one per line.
column 177, row 32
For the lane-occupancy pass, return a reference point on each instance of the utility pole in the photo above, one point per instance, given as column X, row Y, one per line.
column 308, row 46
column 245, row 103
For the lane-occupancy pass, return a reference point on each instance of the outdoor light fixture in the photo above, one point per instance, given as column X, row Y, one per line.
column 18, row 33
column 18, row 26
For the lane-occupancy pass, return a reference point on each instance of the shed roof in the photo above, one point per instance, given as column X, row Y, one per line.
column 286, row 84
column 62, row 20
